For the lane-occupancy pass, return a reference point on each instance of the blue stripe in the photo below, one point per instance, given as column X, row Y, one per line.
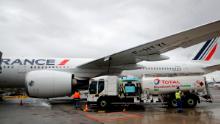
column 201, row 50
column 207, row 50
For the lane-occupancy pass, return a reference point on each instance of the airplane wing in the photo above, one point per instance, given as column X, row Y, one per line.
column 152, row 51
column 212, row 68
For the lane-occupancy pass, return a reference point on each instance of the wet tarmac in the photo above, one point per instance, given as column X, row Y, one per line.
column 36, row 111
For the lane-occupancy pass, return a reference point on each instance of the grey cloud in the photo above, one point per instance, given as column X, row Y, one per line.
column 63, row 28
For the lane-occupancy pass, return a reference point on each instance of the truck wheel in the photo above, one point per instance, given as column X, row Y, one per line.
column 190, row 101
column 103, row 103
column 172, row 102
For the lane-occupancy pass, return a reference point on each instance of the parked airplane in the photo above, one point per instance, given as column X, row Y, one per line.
column 50, row 77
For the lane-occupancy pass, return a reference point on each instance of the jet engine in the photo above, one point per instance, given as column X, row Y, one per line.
column 48, row 84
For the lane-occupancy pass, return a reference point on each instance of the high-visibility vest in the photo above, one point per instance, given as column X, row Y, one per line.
column 178, row 94
column 76, row 95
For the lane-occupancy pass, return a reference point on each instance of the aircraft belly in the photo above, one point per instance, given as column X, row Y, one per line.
column 12, row 80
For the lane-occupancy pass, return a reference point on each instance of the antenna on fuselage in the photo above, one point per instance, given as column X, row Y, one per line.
column 0, row 62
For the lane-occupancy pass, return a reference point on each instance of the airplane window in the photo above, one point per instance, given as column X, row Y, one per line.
column 52, row 66
column 31, row 67
column 8, row 66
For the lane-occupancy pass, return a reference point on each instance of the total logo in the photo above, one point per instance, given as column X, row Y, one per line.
column 158, row 81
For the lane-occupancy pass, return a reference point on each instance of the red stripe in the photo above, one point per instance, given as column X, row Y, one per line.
column 64, row 62
column 211, row 53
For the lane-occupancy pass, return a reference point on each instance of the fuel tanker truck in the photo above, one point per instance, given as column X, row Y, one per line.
column 105, row 91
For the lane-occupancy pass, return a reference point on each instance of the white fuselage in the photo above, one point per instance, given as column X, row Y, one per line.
column 14, row 70
column 167, row 68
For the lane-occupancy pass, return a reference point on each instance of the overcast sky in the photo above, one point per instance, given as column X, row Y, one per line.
column 95, row 28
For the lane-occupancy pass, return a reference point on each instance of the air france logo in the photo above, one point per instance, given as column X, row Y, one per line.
column 157, row 81
column 63, row 62
column 34, row 61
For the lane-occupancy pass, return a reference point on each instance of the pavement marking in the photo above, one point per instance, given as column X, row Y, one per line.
column 113, row 116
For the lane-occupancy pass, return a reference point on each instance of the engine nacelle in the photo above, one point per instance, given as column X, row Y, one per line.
column 48, row 84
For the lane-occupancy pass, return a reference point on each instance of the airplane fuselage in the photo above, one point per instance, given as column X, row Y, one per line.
column 14, row 70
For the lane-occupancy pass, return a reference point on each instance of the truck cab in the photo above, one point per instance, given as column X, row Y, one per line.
column 102, row 86
column 106, row 90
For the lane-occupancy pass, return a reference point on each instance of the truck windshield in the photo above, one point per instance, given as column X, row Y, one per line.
column 93, row 87
column 101, row 86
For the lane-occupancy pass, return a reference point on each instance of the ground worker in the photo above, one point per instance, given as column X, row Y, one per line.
column 178, row 96
column 139, row 90
column 76, row 98
column 121, row 90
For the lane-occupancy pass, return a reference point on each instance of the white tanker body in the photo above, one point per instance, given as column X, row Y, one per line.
column 164, row 85
column 109, row 90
